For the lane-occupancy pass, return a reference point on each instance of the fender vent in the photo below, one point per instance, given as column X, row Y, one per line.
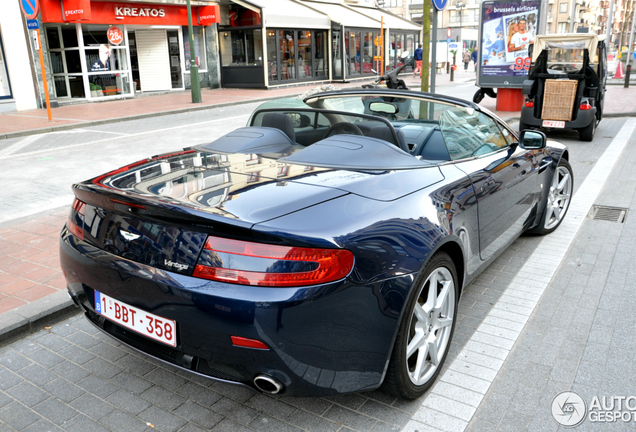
column 610, row 214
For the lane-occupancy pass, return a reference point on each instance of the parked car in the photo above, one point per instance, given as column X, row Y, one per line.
column 566, row 83
column 320, row 250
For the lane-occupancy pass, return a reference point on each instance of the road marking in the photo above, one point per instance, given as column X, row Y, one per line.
column 508, row 314
column 55, row 149
column 19, row 145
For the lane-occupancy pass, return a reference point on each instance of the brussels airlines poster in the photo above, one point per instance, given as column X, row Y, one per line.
column 507, row 30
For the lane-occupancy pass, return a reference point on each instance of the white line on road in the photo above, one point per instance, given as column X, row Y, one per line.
column 153, row 131
column 19, row 145
column 470, row 366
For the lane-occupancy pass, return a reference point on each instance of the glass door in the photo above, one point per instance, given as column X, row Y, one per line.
column 176, row 75
column 336, row 46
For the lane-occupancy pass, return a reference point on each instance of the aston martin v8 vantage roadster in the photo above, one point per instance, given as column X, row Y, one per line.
column 322, row 249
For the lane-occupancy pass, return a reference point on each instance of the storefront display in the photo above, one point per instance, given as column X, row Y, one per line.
column 5, row 86
column 119, row 48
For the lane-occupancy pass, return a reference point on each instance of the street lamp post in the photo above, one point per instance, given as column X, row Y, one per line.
column 195, row 85
column 459, row 6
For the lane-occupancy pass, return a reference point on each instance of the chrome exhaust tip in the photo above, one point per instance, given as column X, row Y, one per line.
column 268, row 384
column 74, row 298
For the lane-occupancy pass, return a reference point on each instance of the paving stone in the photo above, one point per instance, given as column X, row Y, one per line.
column 384, row 412
column 312, row 422
column 271, row 406
column 203, row 417
column 76, row 354
column 351, row 401
column 165, row 379
column 108, row 352
column 525, row 400
column 131, row 382
column 43, row 426
column 127, row 401
column 81, row 423
column 93, row 407
column 319, row 406
column 269, row 424
column 103, row 368
column 27, row 393
column 349, row 418
column 4, row 399
column 18, row 416
column 135, row 364
column 163, row 398
column 98, row 386
column 9, row 379
column 55, row 411
column 235, row 410
column 53, row 342
column 535, row 375
column 201, row 395
column 121, row 421
column 46, row 358
column 14, row 361
column 162, row 419
column 70, row 371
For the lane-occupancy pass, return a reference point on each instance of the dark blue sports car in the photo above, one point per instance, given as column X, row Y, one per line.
column 320, row 250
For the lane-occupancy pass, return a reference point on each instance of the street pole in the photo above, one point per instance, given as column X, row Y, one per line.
column 195, row 85
column 572, row 16
column 433, row 66
column 46, row 86
column 628, row 68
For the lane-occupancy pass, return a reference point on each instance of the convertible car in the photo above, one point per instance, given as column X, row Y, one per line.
column 320, row 250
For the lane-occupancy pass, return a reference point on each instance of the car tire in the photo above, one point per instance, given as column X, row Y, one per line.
column 479, row 96
column 426, row 330
column 558, row 199
column 587, row 133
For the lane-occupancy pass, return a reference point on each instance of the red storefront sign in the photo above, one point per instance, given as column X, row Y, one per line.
column 76, row 10
column 115, row 35
column 119, row 13
column 209, row 15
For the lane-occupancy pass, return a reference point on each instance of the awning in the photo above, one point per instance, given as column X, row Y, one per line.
column 391, row 21
column 345, row 16
column 289, row 14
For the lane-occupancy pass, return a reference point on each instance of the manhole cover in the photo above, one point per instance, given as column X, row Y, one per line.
column 610, row 214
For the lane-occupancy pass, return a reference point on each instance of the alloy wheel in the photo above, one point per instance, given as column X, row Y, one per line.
column 558, row 197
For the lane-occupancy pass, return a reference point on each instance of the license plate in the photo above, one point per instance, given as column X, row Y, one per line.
column 553, row 124
column 145, row 323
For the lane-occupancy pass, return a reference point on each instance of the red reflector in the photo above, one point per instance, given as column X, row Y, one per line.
column 248, row 343
column 129, row 204
column 75, row 230
column 585, row 106
column 79, row 207
column 530, row 104
column 330, row 264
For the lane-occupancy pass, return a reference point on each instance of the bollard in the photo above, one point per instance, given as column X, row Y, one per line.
column 628, row 71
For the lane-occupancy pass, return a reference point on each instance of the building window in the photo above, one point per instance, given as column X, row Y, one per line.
column 242, row 47
column 563, row 27
column 297, row 54
column 5, row 88
column 563, row 7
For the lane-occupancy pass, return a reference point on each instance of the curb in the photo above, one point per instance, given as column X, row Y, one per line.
column 28, row 132
column 34, row 316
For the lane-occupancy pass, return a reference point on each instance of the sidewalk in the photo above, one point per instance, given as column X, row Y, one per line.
column 32, row 286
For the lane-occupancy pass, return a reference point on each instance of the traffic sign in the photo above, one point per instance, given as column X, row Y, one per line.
column 30, row 8
column 440, row 4
column 33, row 24
column 448, row 32
column 448, row 40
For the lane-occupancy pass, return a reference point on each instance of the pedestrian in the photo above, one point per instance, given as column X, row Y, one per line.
column 417, row 56
column 473, row 56
column 466, row 59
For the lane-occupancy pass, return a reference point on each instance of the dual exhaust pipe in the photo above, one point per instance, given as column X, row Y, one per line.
column 268, row 384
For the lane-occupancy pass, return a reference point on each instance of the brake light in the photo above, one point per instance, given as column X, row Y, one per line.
column 585, row 106
column 530, row 104
column 248, row 343
column 258, row 264
column 76, row 219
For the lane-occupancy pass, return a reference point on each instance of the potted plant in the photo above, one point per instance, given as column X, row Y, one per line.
column 93, row 90
column 98, row 89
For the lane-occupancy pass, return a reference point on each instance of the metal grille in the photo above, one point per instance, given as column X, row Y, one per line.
column 610, row 214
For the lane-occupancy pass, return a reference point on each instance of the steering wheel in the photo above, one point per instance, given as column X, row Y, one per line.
column 343, row 128
column 485, row 149
column 557, row 67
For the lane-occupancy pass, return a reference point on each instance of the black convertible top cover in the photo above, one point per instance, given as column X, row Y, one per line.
column 354, row 152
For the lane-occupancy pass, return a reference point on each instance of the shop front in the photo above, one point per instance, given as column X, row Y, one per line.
column 5, row 85
column 109, row 50
column 271, row 43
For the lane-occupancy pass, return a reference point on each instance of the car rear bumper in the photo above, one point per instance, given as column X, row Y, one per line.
column 323, row 340
column 584, row 118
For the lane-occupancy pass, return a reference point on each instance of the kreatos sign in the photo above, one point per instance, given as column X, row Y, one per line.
column 121, row 11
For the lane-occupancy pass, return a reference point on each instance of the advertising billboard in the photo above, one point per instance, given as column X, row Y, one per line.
column 507, row 30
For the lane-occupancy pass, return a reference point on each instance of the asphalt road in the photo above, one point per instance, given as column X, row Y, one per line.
column 71, row 377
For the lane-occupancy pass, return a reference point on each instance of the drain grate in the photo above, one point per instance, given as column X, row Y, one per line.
column 610, row 214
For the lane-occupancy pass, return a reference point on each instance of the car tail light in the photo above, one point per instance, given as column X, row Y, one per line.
column 258, row 264
column 248, row 343
column 529, row 104
column 76, row 219
column 585, row 106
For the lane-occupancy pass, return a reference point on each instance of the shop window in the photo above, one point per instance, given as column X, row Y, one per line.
column 305, row 54
column 236, row 15
column 242, row 48
column 288, row 55
column 354, row 56
column 336, row 36
column 53, row 38
column 272, row 56
column 69, row 36
column 5, row 88
column 322, row 47
column 198, row 34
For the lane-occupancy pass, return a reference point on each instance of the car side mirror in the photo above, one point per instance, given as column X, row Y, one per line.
column 532, row 140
